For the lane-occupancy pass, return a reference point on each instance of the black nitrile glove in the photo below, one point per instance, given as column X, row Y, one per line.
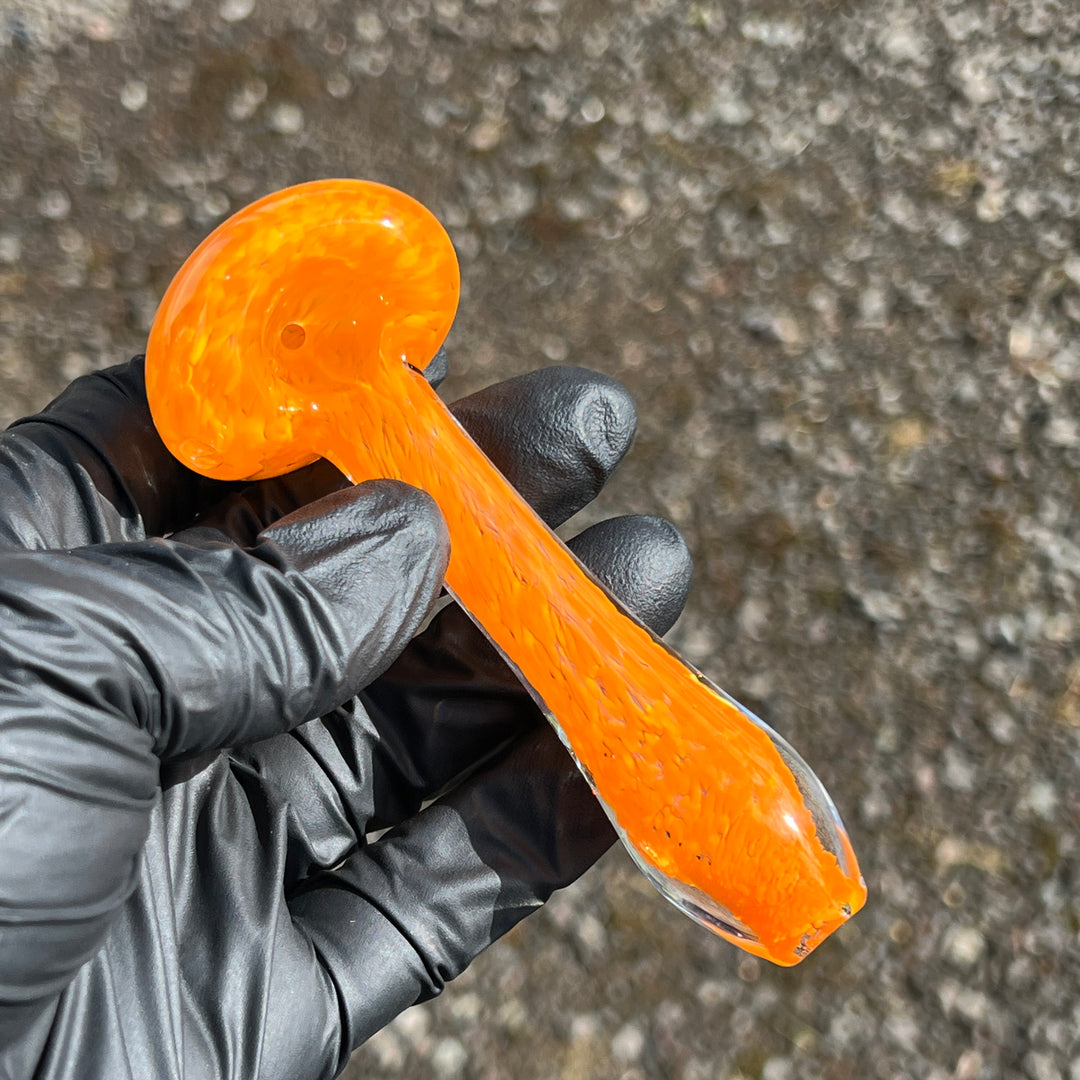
column 198, row 733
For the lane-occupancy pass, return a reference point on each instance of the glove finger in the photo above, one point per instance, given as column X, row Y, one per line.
column 555, row 434
column 432, row 894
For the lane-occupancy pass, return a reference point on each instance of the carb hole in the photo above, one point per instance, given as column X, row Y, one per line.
column 293, row 336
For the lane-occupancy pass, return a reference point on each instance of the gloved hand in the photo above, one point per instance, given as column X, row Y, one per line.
column 199, row 734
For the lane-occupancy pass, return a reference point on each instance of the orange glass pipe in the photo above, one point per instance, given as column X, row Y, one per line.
column 300, row 328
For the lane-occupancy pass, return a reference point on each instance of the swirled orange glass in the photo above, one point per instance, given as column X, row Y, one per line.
column 299, row 328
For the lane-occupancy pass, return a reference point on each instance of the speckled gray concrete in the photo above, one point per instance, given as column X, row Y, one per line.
column 832, row 248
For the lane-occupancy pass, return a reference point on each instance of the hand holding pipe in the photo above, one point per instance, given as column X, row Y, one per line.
column 299, row 329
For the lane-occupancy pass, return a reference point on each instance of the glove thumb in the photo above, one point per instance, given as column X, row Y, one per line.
column 253, row 642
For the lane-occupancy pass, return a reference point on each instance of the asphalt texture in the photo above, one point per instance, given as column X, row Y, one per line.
column 832, row 249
